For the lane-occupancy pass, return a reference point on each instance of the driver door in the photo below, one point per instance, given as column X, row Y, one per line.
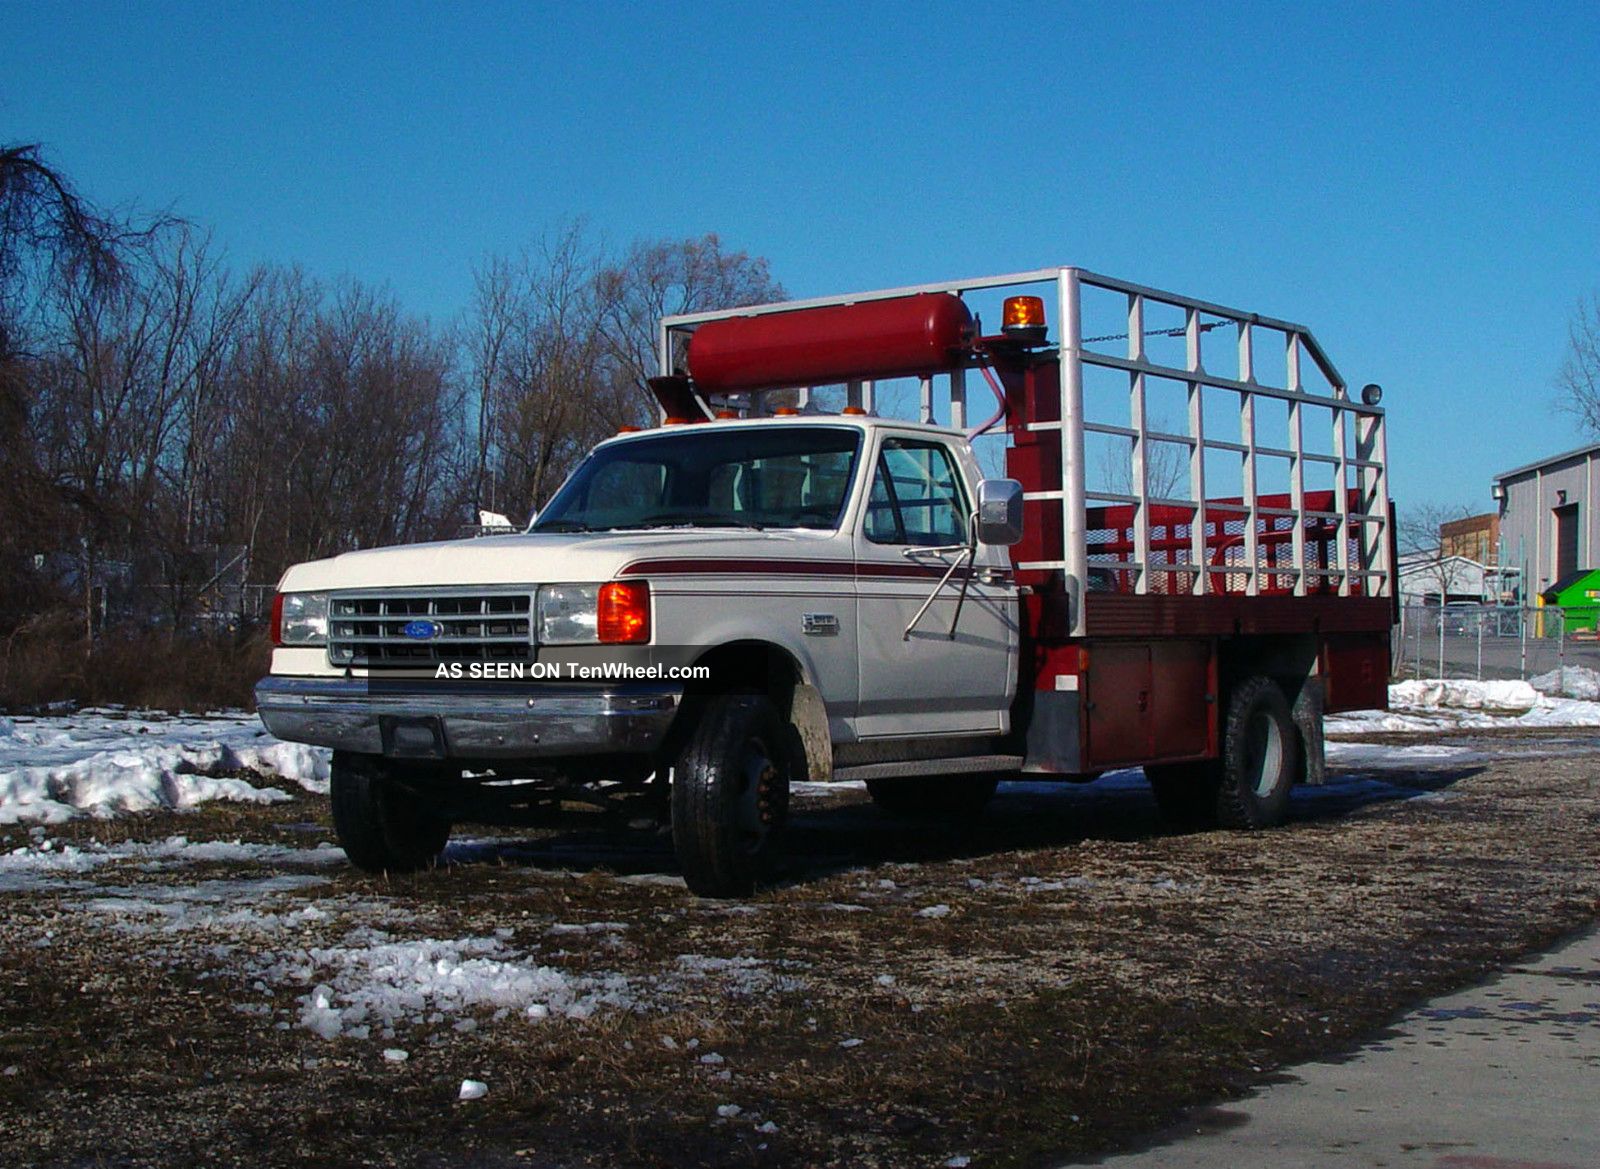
column 914, row 528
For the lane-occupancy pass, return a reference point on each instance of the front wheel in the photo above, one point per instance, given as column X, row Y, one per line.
column 730, row 795
column 383, row 825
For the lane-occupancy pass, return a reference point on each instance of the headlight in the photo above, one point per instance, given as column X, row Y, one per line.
column 300, row 619
column 616, row 613
column 568, row 614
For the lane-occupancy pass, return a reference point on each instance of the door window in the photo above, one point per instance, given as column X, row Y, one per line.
column 916, row 496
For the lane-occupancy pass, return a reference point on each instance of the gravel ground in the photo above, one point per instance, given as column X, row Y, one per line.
column 1055, row 981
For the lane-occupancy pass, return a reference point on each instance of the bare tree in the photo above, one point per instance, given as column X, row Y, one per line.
column 539, row 371
column 44, row 222
column 1166, row 467
column 657, row 279
column 1578, row 383
column 47, row 230
column 1422, row 549
column 561, row 341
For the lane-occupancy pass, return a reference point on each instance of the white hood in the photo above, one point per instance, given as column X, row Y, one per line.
column 536, row 558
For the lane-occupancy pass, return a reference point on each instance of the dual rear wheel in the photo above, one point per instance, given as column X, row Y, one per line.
column 1248, row 785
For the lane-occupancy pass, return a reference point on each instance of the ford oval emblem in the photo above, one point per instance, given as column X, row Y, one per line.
column 422, row 630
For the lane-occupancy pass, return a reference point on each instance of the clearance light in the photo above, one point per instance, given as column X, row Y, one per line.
column 629, row 429
column 1023, row 316
column 674, row 420
column 624, row 613
column 852, row 410
column 727, row 414
column 785, row 412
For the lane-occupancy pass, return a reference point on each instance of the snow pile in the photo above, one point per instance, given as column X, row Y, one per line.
column 386, row 985
column 1510, row 698
column 106, row 763
column 1569, row 682
column 1444, row 705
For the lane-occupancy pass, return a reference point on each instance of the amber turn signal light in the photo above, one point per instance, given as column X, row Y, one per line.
column 623, row 616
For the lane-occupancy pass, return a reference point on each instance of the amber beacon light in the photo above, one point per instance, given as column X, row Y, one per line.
column 1023, row 316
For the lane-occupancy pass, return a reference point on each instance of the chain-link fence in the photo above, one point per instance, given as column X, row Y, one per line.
column 1491, row 641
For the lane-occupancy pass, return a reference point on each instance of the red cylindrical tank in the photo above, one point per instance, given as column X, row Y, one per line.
column 904, row 337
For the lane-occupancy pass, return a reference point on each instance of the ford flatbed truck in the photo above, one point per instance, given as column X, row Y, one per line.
column 1186, row 563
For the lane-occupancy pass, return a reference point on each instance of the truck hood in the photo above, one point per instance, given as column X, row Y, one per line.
column 538, row 558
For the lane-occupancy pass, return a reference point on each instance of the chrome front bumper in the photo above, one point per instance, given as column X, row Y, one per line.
column 349, row 715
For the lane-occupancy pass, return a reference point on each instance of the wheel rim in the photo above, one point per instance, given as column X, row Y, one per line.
column 1264, row 754
column 757, row 806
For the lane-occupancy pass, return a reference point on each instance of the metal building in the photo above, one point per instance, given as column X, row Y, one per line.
column 1548, row 519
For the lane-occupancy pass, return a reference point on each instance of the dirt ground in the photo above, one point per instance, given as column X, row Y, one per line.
column 1057, row 980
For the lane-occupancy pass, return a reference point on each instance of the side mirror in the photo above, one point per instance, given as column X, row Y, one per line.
column 999, row 512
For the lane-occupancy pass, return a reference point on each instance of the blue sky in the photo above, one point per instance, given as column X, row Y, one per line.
column 1418, row 183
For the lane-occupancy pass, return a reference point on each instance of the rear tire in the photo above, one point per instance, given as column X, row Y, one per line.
column 934, row 797
column 383, row 825
column 730, row 795
column 1259, row 753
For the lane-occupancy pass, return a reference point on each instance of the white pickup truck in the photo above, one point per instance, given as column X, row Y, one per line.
column 746, row 596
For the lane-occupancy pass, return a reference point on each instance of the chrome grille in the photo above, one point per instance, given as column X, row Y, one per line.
column 471, row 627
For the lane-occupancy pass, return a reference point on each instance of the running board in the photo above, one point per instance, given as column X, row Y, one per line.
column 909, row 768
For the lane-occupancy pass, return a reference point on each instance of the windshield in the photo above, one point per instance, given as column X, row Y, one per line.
column 774, row 477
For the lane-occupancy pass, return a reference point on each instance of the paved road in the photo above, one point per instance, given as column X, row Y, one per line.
column 1503, row 1076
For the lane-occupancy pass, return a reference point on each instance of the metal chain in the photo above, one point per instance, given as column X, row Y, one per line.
column 1182, row 330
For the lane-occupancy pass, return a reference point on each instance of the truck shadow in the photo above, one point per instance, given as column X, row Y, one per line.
column 835, row 827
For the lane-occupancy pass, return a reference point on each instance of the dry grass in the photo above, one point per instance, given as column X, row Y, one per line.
column 47, row 660
column 1091, row 978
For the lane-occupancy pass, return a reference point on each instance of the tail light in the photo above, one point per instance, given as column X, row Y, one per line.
column 277, row 618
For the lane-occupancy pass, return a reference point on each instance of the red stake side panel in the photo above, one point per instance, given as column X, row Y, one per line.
column 901, row 337
column 1099, row 704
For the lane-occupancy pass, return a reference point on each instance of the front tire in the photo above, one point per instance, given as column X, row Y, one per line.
column 730, row 795
column 383, row 825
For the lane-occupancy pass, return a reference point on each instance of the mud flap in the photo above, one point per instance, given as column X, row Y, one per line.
column 1307, row 715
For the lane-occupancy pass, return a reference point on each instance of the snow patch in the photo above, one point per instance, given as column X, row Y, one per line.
column 388, row 985
column 43, row 861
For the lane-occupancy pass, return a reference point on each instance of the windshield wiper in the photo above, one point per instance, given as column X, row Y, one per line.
column 694, row 521
column 562, row 525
